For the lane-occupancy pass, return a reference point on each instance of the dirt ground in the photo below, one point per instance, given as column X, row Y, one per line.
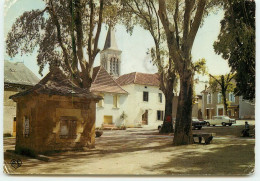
column 142, row 151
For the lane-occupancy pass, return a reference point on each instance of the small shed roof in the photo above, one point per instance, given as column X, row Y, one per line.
column 56, row 83
column 18, row 73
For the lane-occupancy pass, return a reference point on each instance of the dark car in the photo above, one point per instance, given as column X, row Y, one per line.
column 197, row 124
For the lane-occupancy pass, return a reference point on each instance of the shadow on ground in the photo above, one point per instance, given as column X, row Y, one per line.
column 145, row 152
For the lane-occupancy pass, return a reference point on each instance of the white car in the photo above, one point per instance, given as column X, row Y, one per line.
column 220, row 120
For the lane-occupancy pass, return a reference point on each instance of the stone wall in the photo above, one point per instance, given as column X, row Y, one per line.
column 44, row 113
column 9, row 112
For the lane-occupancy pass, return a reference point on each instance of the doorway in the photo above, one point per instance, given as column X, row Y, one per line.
column 108, row 120
column 145, row 118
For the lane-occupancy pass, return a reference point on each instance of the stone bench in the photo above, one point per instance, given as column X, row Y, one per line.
column 206, row 136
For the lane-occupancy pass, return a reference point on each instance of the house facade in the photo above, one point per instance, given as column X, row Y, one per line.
column 145, row 102
column 17, row 78
column 110, row 109
column 212, row 105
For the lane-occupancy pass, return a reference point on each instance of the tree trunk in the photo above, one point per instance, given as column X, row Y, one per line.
column 183, row 125
column 225, row 103
column 168, row 126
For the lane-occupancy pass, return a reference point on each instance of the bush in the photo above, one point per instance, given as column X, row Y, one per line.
column 7, row 135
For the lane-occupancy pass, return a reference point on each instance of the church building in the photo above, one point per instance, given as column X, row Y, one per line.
column 130, row 100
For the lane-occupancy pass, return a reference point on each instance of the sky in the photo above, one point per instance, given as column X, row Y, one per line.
column 134, row 47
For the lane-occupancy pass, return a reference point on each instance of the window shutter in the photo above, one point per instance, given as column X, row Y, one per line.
column 115, row 101
column 73, row 129
column 118, row 98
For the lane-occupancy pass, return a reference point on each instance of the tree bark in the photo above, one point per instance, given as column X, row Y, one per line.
column 183, row 124
column 167, row 126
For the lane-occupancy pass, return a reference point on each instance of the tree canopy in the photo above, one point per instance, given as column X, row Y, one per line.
column 224, row 85
column 236, row 43
column 66, row 33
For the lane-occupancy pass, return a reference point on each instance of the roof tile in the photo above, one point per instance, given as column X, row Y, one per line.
column 139, row 78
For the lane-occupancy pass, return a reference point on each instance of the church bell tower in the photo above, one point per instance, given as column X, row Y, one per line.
column 110, row 56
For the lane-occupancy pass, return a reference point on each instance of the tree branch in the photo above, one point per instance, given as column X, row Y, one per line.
column 187, row 16
column 91, row 6
column 57, row 24
column 95, row 51
column 196, row 23
column 215, row 79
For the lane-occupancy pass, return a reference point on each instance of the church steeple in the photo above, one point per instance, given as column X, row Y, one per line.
column 110, row 42
column 110, row 56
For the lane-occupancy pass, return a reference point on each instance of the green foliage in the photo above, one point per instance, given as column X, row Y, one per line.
column 200, row 66
column 223, row 83
column 61, row 32
column 236, row 43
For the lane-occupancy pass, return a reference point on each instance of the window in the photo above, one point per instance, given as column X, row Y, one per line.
column 116, row 101
column 111, row 62
column 117, row 67
column 68, row 127
column 209, row 98
column 160, row 97
column 219, row 97
column 145, row 96
column 101, row 102
column 114, row 66
column 231, row 97
column 160, row 115
column 26, row 126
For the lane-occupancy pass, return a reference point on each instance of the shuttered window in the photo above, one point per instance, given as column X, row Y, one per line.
column 160, row 115
column 26, row 126
column 145, row 96
column 68, row 127
column 116, row 101
column 160, row 97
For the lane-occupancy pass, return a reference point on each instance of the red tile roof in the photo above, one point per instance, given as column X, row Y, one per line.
column 139, row 78
column 103, row 82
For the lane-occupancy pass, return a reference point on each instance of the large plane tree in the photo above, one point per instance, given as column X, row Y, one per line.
column 65, row 33
column 181, row 20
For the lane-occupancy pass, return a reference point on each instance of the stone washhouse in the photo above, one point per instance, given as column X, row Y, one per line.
column 55, row 115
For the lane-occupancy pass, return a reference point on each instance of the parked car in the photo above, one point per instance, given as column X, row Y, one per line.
column 220, row 120
column 197, row 124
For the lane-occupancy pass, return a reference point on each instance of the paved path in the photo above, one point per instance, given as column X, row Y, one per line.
column 145, row 152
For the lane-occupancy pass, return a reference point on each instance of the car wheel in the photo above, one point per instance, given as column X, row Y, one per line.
column 208, row 124
column 214, row 125
column 230, row 124
column 199, row 128
column 223, row 124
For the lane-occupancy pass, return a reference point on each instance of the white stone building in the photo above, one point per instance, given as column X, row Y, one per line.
column 109, row 110
column 133, row 99
column 145, row 102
